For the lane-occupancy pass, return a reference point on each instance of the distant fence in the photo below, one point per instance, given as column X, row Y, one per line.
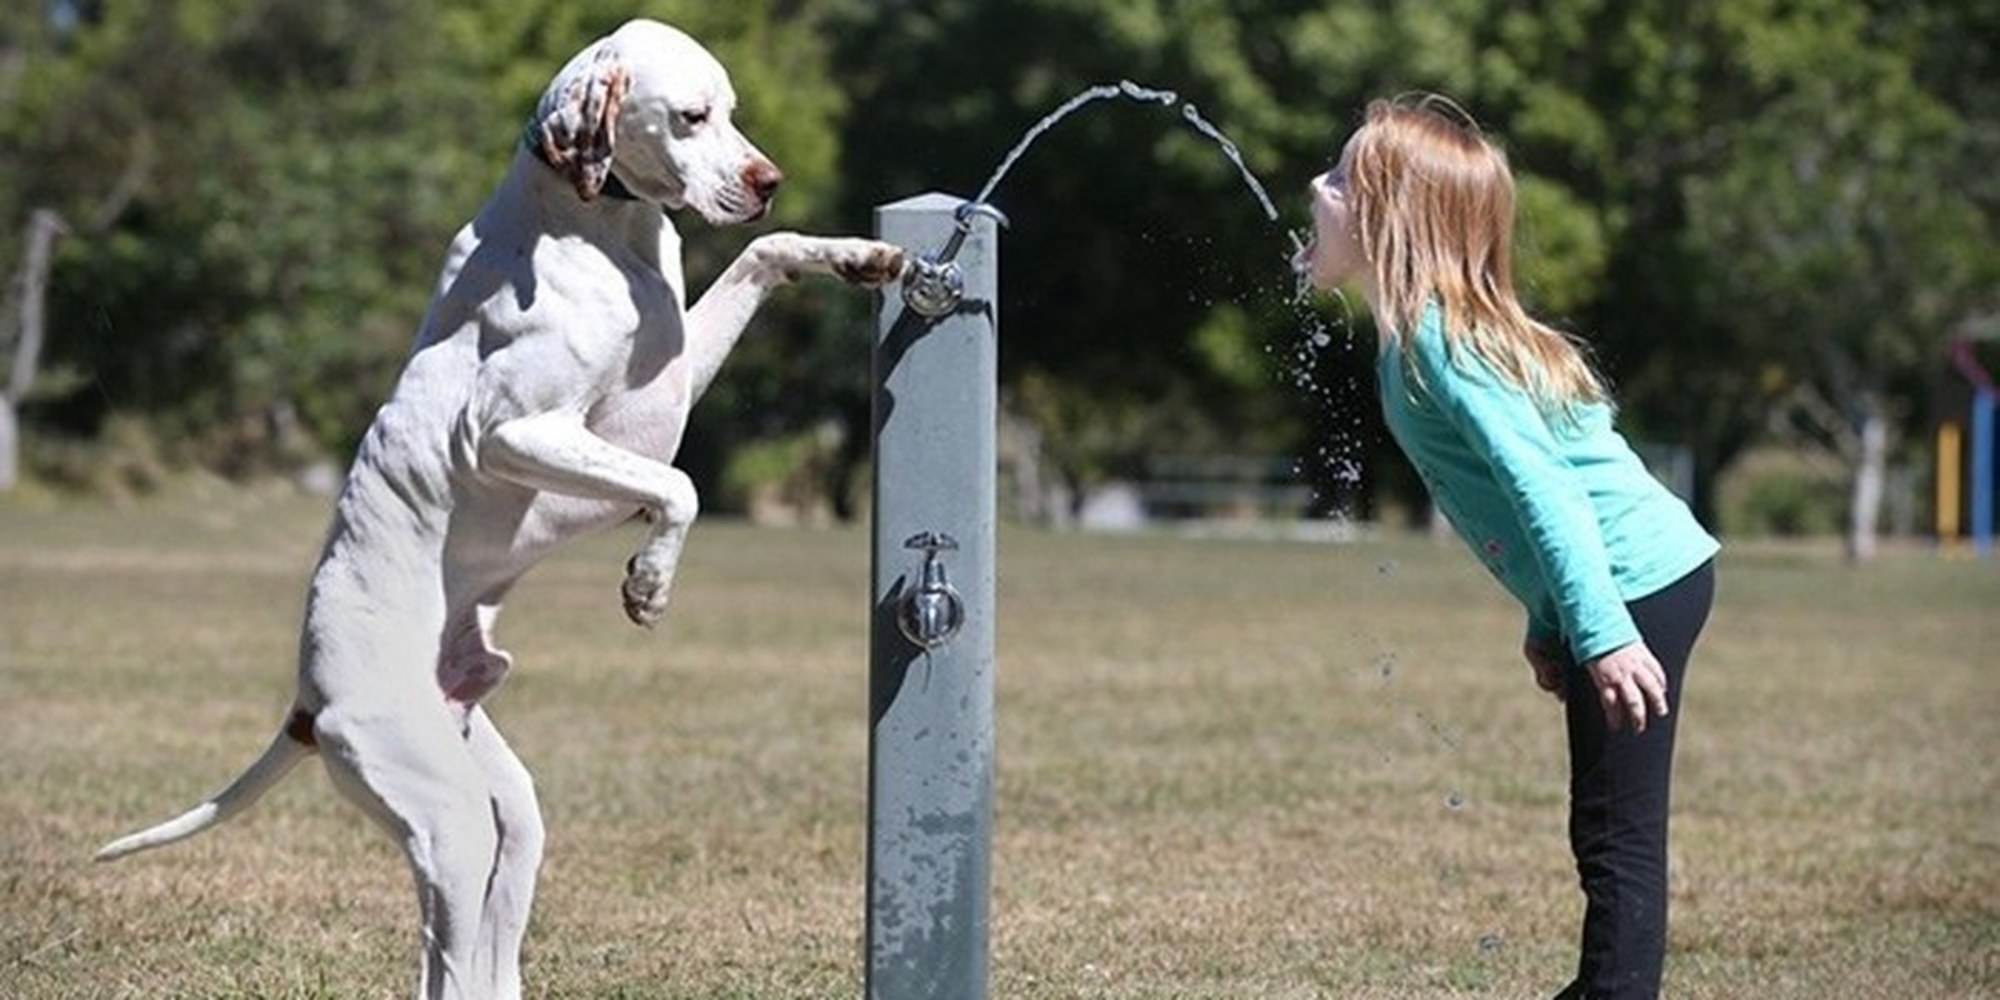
column 1244, row 489
column 1183, row 489
column 1210, row 487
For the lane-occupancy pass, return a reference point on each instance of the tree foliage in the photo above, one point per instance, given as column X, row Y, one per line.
column 1736, row 200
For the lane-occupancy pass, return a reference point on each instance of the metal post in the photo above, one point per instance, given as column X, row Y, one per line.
column 931, row 639
column 1984, row 399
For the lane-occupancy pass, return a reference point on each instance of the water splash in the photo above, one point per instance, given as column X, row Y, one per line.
column 1145, row 95
column 1319, row 364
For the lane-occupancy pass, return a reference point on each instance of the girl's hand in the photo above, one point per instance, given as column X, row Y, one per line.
column 1630, row 682
column 1549, row 663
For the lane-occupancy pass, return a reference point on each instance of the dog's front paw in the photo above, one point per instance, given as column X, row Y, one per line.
column 869, row 263
column 646, row 589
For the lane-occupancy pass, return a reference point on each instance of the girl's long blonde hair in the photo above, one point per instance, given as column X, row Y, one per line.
column 1433, row 201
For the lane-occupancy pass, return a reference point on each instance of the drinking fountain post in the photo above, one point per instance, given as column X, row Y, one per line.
column 930, row 747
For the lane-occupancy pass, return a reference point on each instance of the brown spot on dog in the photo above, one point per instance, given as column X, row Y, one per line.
column 579, row 136
column 300, row 728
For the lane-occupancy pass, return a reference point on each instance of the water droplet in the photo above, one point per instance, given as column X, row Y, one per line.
column 1455, row 800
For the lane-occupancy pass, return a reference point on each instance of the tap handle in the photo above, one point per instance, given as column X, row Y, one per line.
column 932, row 612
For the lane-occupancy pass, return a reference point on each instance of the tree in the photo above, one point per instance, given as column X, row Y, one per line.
column 1842, row 238
column 1148, row 305
column 264, row 191
column 260, row 193
column 31, row 288
column 252, row 225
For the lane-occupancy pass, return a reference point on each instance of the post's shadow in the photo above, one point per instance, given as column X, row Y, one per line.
column 892, row 655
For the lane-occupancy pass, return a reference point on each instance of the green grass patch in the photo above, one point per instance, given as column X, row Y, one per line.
column 1227, row 769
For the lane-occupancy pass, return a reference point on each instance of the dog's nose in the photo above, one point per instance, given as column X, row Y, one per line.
column 763, row 177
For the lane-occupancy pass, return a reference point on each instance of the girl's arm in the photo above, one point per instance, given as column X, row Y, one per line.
column 1505, row 428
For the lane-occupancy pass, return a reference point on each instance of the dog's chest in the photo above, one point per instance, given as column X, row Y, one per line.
column 645, row 404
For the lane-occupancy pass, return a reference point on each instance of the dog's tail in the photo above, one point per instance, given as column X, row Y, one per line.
column 293, row 744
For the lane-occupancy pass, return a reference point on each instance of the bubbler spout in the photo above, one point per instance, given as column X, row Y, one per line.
column 933, row 284
column 966, row 211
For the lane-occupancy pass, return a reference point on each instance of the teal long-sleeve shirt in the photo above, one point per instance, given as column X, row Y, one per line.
column 1559, row 508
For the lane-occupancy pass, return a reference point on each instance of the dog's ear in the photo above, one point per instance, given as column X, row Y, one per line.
column 578, row 127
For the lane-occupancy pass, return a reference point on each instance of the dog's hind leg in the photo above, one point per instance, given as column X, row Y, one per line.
column 557, row 453
column 511, row 890
column 408, row 766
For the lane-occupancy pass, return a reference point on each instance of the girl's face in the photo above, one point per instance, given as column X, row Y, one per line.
column 1334, row 255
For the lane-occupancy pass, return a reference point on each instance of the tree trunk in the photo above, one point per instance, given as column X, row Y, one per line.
column 1871, row 465
column 1021, row 463
column 43, row 228
column 10, row 447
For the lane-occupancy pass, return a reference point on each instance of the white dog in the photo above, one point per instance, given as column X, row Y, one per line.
column 546, row 397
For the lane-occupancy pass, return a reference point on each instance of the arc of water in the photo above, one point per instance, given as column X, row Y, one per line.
column 929, row 286
column 1126, row 88
column 1098, row 93
column 1235, row 155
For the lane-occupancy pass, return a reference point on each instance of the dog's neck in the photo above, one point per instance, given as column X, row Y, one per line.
column 613, row 188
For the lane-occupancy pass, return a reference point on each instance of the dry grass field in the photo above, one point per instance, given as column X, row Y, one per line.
column 1228, row 769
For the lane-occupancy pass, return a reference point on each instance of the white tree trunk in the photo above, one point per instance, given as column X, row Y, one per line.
column 10, row 446
column 43, row 228
column 1871, row 466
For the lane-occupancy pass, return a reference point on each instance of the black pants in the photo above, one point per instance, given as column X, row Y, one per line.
column 1619, row 783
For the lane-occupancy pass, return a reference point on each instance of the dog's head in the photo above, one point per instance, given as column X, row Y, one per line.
column 649, row 105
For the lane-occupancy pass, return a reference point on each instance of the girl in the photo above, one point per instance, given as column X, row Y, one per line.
column 1511, row 431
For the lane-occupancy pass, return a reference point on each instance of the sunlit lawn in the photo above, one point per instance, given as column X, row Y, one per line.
column 1228, row 769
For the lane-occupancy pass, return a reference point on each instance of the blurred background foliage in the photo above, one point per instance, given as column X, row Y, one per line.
column 1770, row 216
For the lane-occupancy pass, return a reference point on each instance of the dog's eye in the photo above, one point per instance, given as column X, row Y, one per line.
column 696, row 116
